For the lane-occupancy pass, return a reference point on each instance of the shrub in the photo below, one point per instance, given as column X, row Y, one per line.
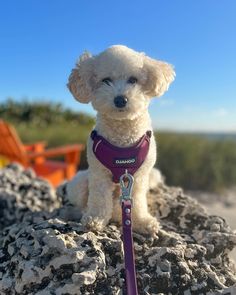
column 196, row 162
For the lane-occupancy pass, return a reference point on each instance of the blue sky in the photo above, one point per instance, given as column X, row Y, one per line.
column 40, row 41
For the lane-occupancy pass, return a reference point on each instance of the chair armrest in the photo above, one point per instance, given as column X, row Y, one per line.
column 35, row 147
column 54, row 152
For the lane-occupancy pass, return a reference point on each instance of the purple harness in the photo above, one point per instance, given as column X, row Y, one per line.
column 119, row 159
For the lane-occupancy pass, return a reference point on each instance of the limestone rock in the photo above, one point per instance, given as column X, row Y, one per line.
column 49, row 254
column 21, row 193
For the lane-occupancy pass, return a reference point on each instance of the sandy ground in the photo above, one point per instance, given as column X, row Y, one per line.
column 222, row 205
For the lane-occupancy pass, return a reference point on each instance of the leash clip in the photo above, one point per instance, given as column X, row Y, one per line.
column 126, row 185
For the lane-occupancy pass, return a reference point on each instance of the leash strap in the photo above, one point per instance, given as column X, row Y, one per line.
column 126, row 204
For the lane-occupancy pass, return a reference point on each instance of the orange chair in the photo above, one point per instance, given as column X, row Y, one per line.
column 37, row 157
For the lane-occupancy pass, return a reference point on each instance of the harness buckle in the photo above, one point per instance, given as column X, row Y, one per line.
column 126, row 185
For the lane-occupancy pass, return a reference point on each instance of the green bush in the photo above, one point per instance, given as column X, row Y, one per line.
column 196, row 162
column 41, row 114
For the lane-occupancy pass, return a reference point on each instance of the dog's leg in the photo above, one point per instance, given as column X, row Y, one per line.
column 99, row 207
column 143, row 221
column 77, row 190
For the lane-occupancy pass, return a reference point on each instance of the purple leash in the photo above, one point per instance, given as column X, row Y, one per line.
column 118, row 160
column 126, row 204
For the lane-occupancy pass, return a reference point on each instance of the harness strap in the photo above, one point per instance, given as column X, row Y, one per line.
column 130, row 271
column 118, row 159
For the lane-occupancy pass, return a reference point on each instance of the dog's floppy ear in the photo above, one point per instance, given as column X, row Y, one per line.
column 80, row 78
column 159, row 76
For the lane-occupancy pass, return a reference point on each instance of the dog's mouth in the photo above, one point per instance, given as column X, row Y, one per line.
column 121, row 114
column 120, row 110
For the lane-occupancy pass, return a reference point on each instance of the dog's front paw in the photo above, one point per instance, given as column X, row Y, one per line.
column 92, row 223
column 147, row 225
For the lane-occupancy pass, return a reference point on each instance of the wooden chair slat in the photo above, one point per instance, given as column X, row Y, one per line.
column 10, row 144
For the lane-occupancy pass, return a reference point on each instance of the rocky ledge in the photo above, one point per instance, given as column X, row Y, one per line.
column 21, row 193
column 45, row 252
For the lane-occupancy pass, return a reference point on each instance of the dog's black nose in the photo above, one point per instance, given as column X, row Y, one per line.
column 120, row 101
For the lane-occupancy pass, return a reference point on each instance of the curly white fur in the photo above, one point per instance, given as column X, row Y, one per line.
column 93, row 191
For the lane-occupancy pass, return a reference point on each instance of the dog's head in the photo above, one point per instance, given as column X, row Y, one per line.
column 119, row 82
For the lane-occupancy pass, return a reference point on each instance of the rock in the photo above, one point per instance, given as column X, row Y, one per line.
column 21, row 193
column 51, row 253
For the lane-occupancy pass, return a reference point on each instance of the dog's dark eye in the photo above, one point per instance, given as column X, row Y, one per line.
column 107, row 81
column 132, row 80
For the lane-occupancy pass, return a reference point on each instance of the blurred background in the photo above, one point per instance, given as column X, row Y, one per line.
column 195, row 121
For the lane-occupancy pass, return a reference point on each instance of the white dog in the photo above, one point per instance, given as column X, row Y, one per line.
column 119, row 83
